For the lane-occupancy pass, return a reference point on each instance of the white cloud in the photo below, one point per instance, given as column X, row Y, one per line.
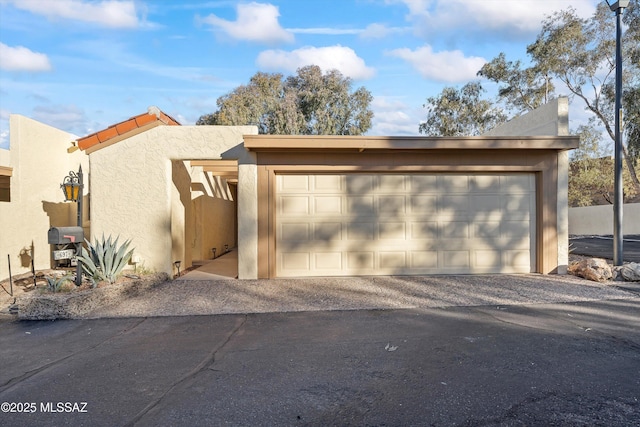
column 67, row 117
column 379, row 31
column 393, row 117
column 325, row 31
column 256, row 22
column 338, row 57
column 20, row 58
column 445, row 66
column 522, row 17
column 106, row 13
column 4, row 128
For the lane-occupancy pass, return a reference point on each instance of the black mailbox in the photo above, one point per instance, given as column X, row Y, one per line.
column 65, row 235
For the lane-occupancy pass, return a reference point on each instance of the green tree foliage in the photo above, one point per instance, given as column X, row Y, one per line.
column 631, row 96
column 309, row 103
column 523, row 89
column 580, row 53
column 591, row 172
column 460, row 112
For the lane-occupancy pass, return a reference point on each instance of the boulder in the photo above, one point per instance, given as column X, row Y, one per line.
column 629, row 272
column 595, row 269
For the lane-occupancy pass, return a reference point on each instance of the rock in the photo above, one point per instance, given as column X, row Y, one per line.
column 595, row 269
column 629, row 272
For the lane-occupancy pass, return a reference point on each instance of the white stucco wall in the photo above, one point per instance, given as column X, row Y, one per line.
column 598, row 220
column 140, row 189
column 248, row 221
column 4, row 157
column 550, row 119
column 39, row 158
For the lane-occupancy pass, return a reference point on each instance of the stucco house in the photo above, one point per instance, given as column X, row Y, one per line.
column 333, row 205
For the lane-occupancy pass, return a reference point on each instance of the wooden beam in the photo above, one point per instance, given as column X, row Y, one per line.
column 5, row 171
column 215, row 163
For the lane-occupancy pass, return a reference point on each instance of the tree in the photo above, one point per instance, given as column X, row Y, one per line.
column 591, row 172
column 524, row 89
column 580, row 53
column 460, row 112
column 309, row 103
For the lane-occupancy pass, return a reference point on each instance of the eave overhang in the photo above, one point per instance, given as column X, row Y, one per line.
column 334, row 143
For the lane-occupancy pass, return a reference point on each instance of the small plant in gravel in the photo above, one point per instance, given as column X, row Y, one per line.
column 104, row 260
column 55, row 283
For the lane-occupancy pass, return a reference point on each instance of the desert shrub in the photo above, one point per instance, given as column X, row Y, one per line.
column 104, row 260
column 54, row 283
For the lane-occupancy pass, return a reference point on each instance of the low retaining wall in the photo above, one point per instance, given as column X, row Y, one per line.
column 599, row 219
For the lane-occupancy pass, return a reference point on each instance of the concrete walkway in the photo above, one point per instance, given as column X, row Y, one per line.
column 223, row 267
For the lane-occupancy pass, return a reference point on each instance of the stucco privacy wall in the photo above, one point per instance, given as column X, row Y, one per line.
column 40, row 161
column 141, row 190
column 551, row 119
column 598, row 220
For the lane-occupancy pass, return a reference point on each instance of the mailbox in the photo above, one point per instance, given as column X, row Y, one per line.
column 65, row 235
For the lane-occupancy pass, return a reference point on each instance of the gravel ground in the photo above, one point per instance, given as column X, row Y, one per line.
column 189, row 297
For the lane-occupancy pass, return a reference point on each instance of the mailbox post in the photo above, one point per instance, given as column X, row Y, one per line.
column 72, row 186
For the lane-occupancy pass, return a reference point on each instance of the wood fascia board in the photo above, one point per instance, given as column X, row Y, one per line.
column 6, row 171
column 124, row 136
column 225, row 174
column 220, row 169
column 387, row 143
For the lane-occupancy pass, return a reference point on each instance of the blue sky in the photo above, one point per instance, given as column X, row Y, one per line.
column 83, row 65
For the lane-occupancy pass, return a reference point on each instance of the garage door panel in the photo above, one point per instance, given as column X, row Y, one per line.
column 456, row 259
column 424, row 230
column 486, row 229
column 454, row 183
column 454, row 229
column 393, row 260
column 485, row 183
column 485, row 202
column 359, row 183
column 327, row 231
column 294, row 205
column 392, row 231
column 423, row 183
column 517, row 183
column 360, row 205
column 391, row 204
column 327, row 205
column 328, row 261
column 453, row 204
column 294, row 183
column 368, row 224
column 327, row 183
column 487, row 258
column 361, row 231
column 392, row 183
column 423, row 204
column 360, row 261
column 294, row 231
column 294, row 261
column 423, row 260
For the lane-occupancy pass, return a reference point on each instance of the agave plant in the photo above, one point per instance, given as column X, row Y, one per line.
column 104, row 260
column 55, row 283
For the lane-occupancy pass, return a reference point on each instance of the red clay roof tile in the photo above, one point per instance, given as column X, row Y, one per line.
column 153, row 115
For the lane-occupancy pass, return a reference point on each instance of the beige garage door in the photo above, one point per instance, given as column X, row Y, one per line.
column 404, row 224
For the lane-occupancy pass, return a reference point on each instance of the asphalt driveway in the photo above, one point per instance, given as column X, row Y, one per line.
column 569, row 364
column 602, row 246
